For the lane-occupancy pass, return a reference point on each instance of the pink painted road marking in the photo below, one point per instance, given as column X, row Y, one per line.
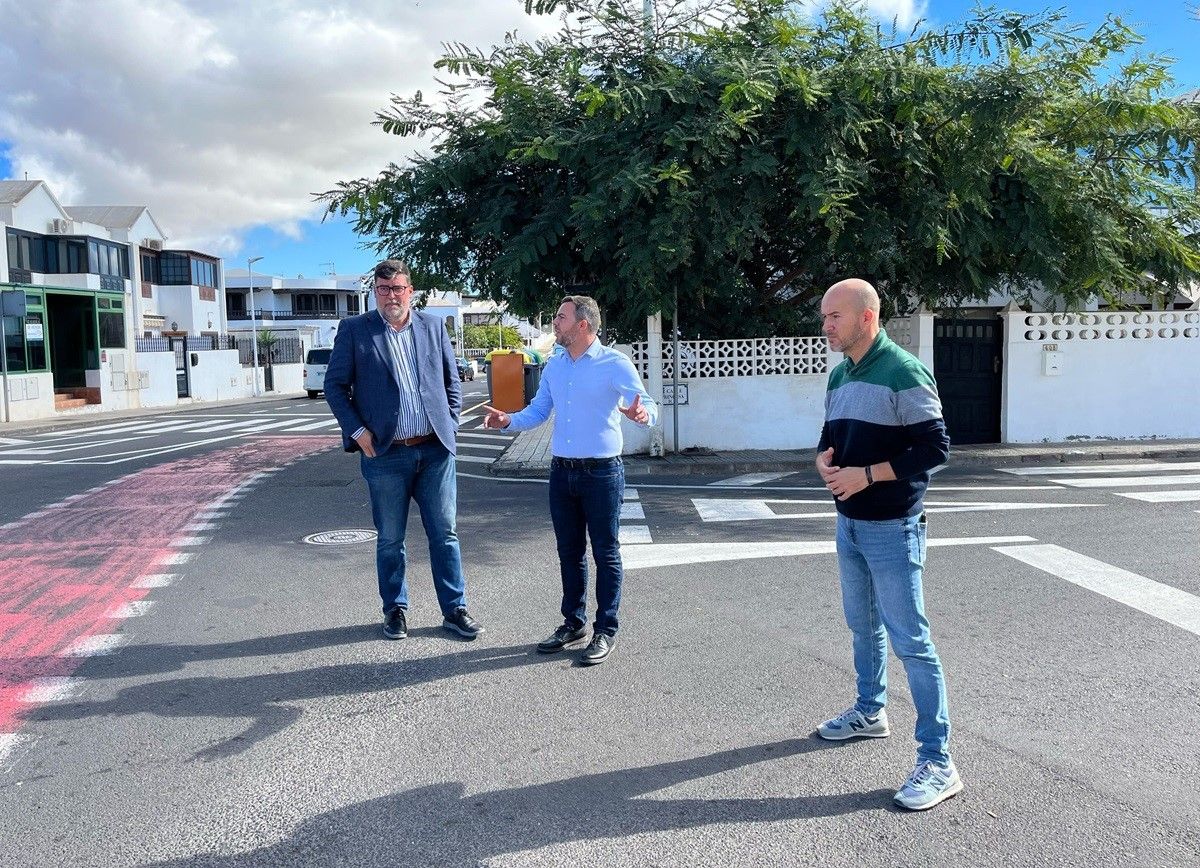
column 66, row 573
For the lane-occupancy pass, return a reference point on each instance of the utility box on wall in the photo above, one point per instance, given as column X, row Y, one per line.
column 1052, row 364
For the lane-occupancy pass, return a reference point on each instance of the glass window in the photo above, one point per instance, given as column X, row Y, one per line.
column 13, row 260
column 175, row 269
column 35, row 341
column 112, row 330
column 14, row 343
column 352, row 304
column 93, row 260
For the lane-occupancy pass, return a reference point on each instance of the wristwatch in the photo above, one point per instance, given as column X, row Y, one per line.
column 870, row 478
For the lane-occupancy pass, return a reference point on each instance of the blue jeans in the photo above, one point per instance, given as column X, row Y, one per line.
column 880, row 564
column 424, row 473
column 588, row 499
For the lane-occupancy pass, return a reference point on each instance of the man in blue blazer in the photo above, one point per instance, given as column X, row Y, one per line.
column 392, row 383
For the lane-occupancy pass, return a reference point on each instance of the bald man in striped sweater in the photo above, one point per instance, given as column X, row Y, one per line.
column 883, row 434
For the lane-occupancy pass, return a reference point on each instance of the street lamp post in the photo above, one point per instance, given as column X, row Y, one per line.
column 253, row 323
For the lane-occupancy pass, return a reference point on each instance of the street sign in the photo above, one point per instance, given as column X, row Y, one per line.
column 669, row 395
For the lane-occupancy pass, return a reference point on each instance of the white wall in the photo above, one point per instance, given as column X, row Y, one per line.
column 217, row 376
column 162, row 389
column 765, row 393
column 1122, row 375
column 36, row 210
column 30, row 396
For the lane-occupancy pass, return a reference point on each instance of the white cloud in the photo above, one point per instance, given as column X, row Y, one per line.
column 220, row 115
column 223, row 115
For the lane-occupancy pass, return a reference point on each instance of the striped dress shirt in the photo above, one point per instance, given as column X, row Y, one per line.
column 412, row 420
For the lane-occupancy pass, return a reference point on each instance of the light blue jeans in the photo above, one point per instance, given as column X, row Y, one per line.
column 880, row 564
column 423, row 473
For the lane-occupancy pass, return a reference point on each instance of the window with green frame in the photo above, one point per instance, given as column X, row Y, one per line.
column 110, row 318
column 25, row 337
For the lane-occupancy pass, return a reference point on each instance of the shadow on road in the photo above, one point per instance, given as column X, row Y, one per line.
column 443, row 825
column 264, row 697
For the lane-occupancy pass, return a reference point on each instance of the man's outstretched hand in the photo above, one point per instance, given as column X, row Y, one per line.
column 495, row 418
column 635, row 412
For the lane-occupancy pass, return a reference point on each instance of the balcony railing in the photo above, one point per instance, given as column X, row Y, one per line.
column 272, row 315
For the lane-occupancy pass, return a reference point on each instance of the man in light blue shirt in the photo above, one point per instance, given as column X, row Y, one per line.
column 587, row 387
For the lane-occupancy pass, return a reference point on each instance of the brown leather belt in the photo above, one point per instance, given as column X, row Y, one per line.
column 414, row 441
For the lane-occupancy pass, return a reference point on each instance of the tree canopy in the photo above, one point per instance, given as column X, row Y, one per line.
column 745, row 157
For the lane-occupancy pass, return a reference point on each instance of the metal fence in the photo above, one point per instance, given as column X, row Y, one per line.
column 281, row 351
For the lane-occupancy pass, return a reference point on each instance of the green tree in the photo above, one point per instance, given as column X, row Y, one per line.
column 487, row 337
column 744, row 158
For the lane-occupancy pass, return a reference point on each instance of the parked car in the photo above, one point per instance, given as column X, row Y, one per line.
column 466, row 369
column 315, row 364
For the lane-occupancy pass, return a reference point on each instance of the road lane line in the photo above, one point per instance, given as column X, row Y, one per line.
column 155, row 580
column 632, row 511
column 53, row 688
column 634, row 534
column 98, row 645
column 748, row 479
column 474, row 459
column 1129, row 481
column 675, row 554
column 1161, row 496
column 1085, row 469
column 312, row 426
column 728, row 509
column 1137, row 592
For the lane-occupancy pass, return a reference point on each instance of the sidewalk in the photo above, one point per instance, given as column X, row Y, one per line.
column 528, row 456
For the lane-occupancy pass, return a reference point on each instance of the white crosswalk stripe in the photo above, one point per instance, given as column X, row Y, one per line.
column 1159, row 478
column 1161, row 601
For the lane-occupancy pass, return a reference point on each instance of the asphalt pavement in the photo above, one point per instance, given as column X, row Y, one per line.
column 253, row 715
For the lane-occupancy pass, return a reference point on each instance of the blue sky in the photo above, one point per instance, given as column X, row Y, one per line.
column 226, row 136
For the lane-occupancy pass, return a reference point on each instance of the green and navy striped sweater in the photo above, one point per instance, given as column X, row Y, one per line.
column 885, row 408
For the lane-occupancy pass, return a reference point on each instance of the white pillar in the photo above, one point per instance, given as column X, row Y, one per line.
column 654, row 378
column 922, row 331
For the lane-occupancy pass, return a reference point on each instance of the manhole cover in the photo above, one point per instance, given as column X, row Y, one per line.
column 340, row 537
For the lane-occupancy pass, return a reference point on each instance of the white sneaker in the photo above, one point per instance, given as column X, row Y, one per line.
column 852, row 723
column 928, row 785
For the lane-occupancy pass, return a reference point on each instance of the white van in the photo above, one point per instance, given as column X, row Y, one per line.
column 315, row 364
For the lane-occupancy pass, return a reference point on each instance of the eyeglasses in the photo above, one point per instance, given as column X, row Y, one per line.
column 392, row 290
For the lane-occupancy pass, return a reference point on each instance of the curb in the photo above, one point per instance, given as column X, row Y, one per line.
column 791, row 461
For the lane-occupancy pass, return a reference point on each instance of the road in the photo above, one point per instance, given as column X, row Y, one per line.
column 188, row 682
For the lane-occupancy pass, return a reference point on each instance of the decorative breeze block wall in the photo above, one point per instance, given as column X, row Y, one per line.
column 1104, row 326
column 748, row 357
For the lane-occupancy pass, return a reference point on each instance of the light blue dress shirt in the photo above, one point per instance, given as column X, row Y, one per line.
column 584, row 394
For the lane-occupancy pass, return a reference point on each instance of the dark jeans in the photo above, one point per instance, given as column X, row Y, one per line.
column 423, row 473
column 588, row 499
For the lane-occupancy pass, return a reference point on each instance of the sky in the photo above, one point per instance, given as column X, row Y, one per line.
column 225, row 117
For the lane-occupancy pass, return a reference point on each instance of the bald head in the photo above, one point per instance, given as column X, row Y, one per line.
column 850, row 316
column 858, row 292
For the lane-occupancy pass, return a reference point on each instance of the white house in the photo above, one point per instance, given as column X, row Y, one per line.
column 95, row 280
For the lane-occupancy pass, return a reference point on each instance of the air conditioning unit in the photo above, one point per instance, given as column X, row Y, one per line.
column 152, row 243
column 62, row 227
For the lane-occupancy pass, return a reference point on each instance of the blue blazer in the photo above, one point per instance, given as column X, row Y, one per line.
column 361, row 387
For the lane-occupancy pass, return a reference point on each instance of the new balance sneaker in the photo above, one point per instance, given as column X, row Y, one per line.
column 928, row 785
column 460, row 621
column 852, row 723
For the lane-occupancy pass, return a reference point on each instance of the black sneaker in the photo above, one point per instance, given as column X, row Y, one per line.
column 460, row 621
column 597, row 650
column 395, row 623
column 560, row 638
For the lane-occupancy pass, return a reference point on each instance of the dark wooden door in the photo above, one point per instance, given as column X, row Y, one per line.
column 966, row 362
